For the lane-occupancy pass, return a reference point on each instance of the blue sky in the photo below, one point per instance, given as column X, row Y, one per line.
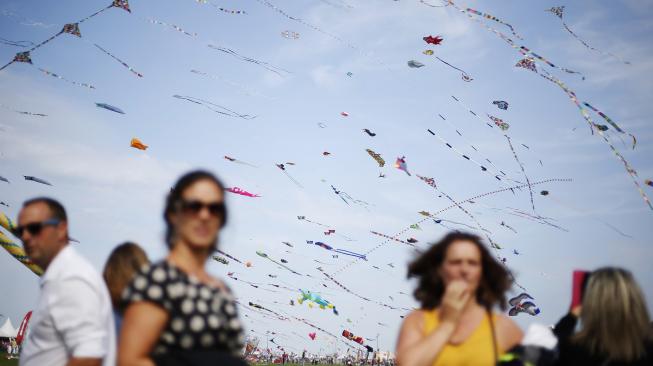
column 114, row 193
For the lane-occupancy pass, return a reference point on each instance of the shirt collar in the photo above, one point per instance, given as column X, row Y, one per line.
column 57, row 264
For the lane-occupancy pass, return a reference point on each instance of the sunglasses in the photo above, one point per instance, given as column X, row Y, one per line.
column 34, row 228
column 216, row 209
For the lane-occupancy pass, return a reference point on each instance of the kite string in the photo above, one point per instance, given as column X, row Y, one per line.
column 119, row 60
column 528, row 181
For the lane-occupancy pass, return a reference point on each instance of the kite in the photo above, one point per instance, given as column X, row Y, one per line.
column 350, row 74
column 14, row 249
column 610, row 121
column 303, row 218
column 400, row 164
column 415, row 64
column 508, row 227
column 499, row 122
column 519, row 306
column 229, row 256
column 109, row 107
column 37, row 180
column 321, row 125
column 220, row 259
column 283, row 260
column 329, row 232
column 389, row 237
column 265, row 65
column 544, row 193
column 224, row 10
column 559, row 12
column 137, row 144
column 3, row 179
column 648, row 182
column 214, row 107
column 501, row 104
column 316, row 299
column 287, row 243
column 349, row 335
column 515, row 252
column 345, row 196
column 248, row 264
column 370, row 133
column 381, row 175
column 376, row 157
column 23, row 112
column 175, row 27
column 312, row 336
column 411, row 240
column 241, row 192
column 433, row 40
column 340, row 251
column 344, row 114
column 25, row 57
column 428, row 52
column 233, row 160
column 263, row 255
column 283, row 169
column 290, row 34
column 415, row 226
column 492, row 17
column 3, row 204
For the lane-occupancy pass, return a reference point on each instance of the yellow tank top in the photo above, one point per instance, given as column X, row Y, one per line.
column 474, row 351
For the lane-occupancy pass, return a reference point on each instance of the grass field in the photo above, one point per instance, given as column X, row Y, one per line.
column 6, row 362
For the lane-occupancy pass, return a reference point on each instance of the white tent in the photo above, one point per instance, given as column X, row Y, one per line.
column 8, row 330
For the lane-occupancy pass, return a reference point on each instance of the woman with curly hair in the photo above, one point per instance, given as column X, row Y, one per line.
column 459, row 284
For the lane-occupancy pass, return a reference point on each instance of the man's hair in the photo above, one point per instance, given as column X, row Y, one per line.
column 495, row 280
column 56, row 208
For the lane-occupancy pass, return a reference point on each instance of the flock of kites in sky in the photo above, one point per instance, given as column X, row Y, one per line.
column 531, row 61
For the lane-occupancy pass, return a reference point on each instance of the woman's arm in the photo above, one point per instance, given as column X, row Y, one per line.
column 141, row 328
column 508, row 333
column 415, row 349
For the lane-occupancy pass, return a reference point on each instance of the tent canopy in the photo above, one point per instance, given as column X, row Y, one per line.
column 8, row 330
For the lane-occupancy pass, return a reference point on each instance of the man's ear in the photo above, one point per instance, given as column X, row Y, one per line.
column 62, row 231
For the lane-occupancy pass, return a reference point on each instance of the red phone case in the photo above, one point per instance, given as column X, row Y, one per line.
column 578, row 287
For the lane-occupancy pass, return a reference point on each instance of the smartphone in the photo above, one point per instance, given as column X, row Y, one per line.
column 578, row 287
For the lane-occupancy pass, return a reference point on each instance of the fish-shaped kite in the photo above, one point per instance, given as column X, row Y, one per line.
column 4, row 179
column 519, row 306
column 412, row 240
column 241, row 192
column 433, row 40
column 376, row 157
column 37, row 180
column 415, row 64
column 138, row 144
column 109, row 107
column 316, row 299
column 400, row 164
column 344, row 114
column 367, row 131
column 326, row 153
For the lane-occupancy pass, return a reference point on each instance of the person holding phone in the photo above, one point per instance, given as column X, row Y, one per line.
column 176, row 313
column 615, row 328
column 459, row 284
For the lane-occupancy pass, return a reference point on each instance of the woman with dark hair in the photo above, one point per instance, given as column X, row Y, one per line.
column 615, row 324
column 124, row 262
column 176, row 313
column 459, row 283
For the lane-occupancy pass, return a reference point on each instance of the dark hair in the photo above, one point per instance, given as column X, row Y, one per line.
column 124, row 262
column 175, row 197
column 495, row 279
column 56, row 208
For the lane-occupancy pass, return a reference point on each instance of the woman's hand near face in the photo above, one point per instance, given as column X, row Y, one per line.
column 455, row 299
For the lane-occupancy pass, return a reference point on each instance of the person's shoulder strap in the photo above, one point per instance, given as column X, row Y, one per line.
column 495, row 349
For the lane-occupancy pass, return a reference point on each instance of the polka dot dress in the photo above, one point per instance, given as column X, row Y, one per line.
column 201, row 317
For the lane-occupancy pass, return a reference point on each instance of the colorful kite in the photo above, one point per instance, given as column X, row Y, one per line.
column 109, row 107
column 501, row 104
column 241, row 192
column 340, row 251
column 415, row 64
column 137, row 144
column 520, row 306
column 290, row 34
column 376, row 157
column 559, row 12
column 316, row 299
column 14, row 249
column 349, row 335
column 433, row 40
column 499, row 122
column 220, row 259
column 312, row 336
column 428, row 52
column 611, row 122
column 400, row 164
column 37, row 180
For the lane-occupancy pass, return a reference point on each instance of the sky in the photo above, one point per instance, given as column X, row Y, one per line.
column 114, row 193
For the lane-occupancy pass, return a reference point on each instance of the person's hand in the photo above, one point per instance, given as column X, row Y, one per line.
column 456, row 296
column 575, row 311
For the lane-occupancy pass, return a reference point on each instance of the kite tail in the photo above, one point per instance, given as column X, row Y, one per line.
column 119, row 60
column 64, row 79
column 528, row 181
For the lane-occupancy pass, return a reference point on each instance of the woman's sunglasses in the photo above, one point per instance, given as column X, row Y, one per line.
column 216, row 209
column 34, row 228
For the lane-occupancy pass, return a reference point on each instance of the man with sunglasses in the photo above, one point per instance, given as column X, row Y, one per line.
column 72, row 324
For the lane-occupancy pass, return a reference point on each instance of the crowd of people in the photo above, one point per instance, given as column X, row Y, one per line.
column 173, row 312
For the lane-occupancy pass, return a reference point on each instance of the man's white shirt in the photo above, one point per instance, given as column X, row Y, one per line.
column 74, row 316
